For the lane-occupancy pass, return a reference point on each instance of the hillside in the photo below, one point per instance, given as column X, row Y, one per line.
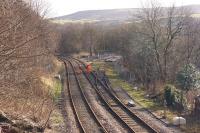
column 101, row 15
column 111, row 15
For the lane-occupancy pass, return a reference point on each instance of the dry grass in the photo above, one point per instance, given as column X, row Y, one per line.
column 34, row 98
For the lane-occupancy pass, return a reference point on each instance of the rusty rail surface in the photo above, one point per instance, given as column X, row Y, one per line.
column 81, row 109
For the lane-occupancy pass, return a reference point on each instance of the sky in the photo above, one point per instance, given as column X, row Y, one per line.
column 64, row 7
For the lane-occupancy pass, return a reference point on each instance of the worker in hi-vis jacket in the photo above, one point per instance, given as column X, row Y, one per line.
column 89, row 68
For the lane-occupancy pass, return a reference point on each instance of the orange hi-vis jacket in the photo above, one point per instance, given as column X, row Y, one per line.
column 88, row 68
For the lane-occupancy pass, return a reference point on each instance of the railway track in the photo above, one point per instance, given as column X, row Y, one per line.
column 85, row 116
column 130, row 119
column 143, row 108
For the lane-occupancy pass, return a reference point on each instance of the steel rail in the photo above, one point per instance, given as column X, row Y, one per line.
column 95, row 118
column 111, row 110
column 131, row 113
column 81, row 128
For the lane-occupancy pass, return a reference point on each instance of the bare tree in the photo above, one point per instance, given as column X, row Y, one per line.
column 162, row 31
column 26, row 45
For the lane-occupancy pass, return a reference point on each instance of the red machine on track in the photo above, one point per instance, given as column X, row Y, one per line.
column 89, row 68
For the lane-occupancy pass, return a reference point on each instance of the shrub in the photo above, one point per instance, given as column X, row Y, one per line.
column 169, row 95
column 188, row 77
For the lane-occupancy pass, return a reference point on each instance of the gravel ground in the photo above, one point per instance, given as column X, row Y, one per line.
column 106, row 118
column 122, row 94
column 85, row 115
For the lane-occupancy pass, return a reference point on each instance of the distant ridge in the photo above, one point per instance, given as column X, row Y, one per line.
column 101, row 15
column 112, row 14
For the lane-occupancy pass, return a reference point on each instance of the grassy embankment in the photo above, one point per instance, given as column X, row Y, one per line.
column 55, row 87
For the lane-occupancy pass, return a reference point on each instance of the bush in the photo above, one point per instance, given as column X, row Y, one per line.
column 169, row 95
column 188, row 77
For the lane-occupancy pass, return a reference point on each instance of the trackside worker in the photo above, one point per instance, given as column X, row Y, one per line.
column 89, row 68
column 79, row 70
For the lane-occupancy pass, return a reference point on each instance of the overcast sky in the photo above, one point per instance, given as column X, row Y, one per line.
column 64, row 7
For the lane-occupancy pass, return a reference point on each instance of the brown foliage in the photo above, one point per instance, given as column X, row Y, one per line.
column 26, row 45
